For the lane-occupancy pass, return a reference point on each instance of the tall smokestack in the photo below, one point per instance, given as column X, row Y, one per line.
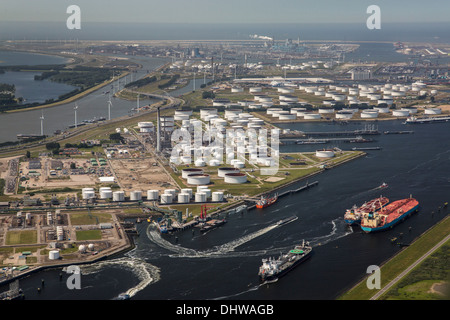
column 158, row 131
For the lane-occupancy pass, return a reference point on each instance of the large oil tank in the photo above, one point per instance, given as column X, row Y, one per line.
column 183, row 198
column 324, row 153
column 136, row 195
column 118, row 196
column 235, row 178
column 53, row 255
column 166, row 198
column 217, row 196
column 198, row 179
column 200, row 197
column 221, row 172
column 152, row 195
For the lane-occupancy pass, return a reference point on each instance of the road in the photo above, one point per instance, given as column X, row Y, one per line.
column 406, row 271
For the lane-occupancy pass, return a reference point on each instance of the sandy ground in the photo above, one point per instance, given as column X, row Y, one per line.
column 140, row 174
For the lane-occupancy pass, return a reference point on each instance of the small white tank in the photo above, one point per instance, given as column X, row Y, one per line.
column 166, row 198
column 200, row 197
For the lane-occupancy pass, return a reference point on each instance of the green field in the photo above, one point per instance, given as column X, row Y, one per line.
column 21, row 237
column 89, row 235
column 84, row 218
column 419, row 277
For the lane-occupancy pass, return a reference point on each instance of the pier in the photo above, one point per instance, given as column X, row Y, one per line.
column 353, row 133
column 286, row 193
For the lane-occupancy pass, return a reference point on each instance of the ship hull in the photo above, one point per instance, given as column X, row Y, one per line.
column 392, row 223
column 286, row 270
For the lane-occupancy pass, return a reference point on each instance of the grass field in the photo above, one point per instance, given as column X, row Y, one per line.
column 83, row 218
column 391, row 269
column 89, row 235
column 21, row 237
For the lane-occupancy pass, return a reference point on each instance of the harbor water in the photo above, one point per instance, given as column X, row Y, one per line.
column 223, row 263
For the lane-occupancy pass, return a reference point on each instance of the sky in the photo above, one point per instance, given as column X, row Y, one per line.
column 226, row 11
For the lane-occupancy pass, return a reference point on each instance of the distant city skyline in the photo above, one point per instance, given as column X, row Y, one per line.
column 230, row 11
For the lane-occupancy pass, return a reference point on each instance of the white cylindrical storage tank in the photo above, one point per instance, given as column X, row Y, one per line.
column 166, row 198
column 106, row 194
column 221, row 172
column 184, row 198
column 287, row 116
column 217, row 196
column 136, row 195
column 188, row 171
column 82, row 248
column 411, row 110
column 237, row 89
column 214, row 162
column 324, row 153
column 311, row 116
column 88, row 194
column 173, row 192
column 326, row 110
column 235, row 178
column 239, row 164
column 198, row 179
column 255, row 89
column 433, row 111
column 200, row 163
column 118, row 196
column 53, row 255
column 369, row 114
column 382, row 109
column 200, row 197
column 152, row 195
column 188, row 191
column 400, row 113
column 344, row 115
column 145, row 127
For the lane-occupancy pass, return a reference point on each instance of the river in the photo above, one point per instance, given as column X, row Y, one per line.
column 223, row 264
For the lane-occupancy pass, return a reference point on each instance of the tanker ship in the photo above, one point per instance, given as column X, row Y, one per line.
column 353, row 215
column 266, row 201
column 389, row 215
column 272, row 269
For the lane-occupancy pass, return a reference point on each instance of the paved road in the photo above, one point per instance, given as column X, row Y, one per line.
column 401, row 275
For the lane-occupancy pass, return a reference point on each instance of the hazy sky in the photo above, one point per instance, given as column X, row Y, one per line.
column 226, row 11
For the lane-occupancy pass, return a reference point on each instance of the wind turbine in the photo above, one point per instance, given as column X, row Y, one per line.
column 76, row 122
column 42, row 123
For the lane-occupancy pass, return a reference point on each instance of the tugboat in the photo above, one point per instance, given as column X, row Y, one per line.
column 272, row 269
column 266, row 201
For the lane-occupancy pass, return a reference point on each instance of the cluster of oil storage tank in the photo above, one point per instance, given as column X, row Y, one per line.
column 186, row 195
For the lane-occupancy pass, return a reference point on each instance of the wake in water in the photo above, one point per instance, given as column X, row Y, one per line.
column 218, row 251
column 145, row 272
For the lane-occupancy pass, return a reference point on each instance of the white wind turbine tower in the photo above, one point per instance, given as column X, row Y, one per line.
column 76, row 122
column 42, row 123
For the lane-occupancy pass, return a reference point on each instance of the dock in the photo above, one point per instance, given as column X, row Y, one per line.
column 329, row 134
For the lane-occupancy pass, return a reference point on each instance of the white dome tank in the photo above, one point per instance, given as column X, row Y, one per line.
column 184, row 198
column 166, row 198
column 200, row 197
column 136, row 195
column 217, row 196
column 188, row 171
column 82, row 248
column 152, row 195
column 235, row 178
column 198, row 179
column 324, row 153
column 53, row 255
column 91, row 247
column 118, row 196
column 400, row 113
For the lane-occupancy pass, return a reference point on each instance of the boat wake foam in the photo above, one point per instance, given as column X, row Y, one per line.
column 226, row 249
column 145, row 272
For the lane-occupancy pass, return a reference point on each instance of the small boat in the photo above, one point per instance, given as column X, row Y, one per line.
column 383, row 185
